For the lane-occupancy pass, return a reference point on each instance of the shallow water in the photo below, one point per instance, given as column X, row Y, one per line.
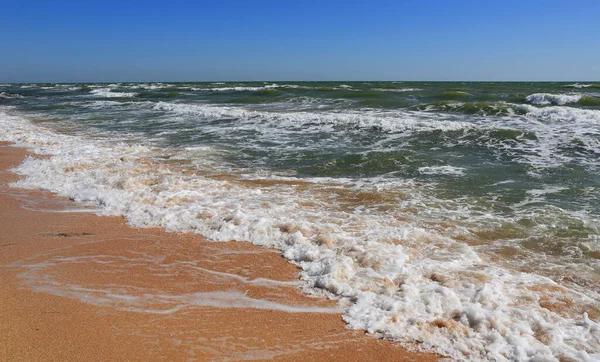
column 456, row 217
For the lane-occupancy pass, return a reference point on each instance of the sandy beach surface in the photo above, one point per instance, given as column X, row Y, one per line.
column 76, row 286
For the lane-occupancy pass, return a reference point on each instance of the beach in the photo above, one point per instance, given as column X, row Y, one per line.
column 76, row 286
column 459, row 218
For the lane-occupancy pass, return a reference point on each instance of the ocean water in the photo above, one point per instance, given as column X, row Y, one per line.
column 461, row 218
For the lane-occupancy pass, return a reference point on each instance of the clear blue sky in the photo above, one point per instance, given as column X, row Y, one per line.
column 70, row 41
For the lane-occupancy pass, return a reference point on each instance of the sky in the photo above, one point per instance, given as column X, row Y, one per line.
column 487, row 40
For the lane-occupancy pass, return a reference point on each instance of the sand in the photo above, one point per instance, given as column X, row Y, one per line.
column 79, row 287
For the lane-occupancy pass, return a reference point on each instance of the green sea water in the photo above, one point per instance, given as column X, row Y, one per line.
column 515, row 150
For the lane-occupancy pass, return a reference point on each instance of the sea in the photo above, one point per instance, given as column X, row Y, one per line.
column 461, row 218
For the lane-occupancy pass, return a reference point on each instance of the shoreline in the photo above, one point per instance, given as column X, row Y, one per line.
column 77, row 286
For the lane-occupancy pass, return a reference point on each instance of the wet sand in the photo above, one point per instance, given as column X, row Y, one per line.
column 76, row 286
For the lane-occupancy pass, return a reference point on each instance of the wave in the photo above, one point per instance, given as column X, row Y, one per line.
column 474, row 108
column 455, row 94
column 109, row 93
column 579, row 85
column 365, row 119
column 237, row 88
column 554, row 99
column 589, row 101
column 541, row 136
column 294, row 103
column 554, row 113
column 157, row 95
column 399, row 90
column 6, row 95
column 559, row 114
column 442, row 170
column 154, row 86
column 251, row 88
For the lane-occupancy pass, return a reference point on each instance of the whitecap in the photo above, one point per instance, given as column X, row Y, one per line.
column 578, row 85
column 400, row 90
column 109, row 93
column 554, row 99
column 6, row 95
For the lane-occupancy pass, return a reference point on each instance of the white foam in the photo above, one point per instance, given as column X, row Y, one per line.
column 546, row 191
column 442, row 170
column 153, row 86
column 401, row 90
column 386, row 121
column 554, row 127
column 408, row 283
column 243, row 88
column 10, row 95
column 558, row 115
column 554, row 99
column 63, row 87
column 108, row 93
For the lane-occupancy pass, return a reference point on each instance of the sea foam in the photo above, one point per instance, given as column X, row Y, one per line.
column 554, row 99
column 406, row 282
column 10, row 95
column 108, row 93
column 386, row 121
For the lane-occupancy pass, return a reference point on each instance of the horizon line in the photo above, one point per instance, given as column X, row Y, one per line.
column 305, row 81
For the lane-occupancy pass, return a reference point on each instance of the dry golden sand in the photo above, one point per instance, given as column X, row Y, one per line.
column 75, row 286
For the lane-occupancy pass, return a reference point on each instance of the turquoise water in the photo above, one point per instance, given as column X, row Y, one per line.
column 510, row 170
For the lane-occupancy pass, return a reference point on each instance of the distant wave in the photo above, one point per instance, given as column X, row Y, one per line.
column 151, row 86
column 108, row 93
column 10, row 95
column 578, row 85
column 396, row 89
column 251, row 88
